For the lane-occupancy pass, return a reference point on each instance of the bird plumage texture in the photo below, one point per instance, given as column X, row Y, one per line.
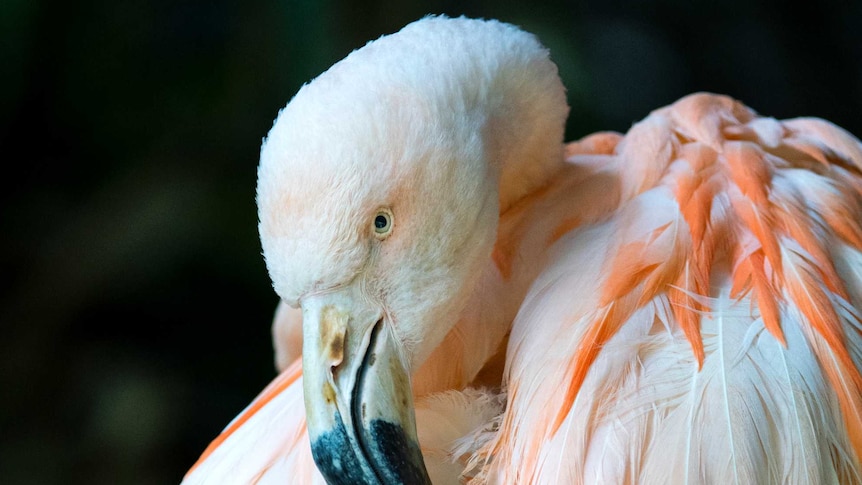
column 679, row 304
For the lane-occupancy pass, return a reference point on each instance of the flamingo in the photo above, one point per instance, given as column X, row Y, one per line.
column 475, row 301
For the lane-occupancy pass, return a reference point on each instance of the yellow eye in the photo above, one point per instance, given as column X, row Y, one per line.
column 382, row 223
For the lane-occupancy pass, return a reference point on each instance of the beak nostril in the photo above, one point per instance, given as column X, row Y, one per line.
column 336, row 350
column 333, row 331
column 336, row 353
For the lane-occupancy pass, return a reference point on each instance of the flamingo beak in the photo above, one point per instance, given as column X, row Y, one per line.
column 358, row 399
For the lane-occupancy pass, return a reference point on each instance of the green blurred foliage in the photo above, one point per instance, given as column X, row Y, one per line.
column 135, row 305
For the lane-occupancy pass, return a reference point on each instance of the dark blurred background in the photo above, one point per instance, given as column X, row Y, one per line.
column 134, row 303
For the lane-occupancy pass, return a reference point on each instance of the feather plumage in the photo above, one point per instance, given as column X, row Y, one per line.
column 749, row 267
column 680, row 304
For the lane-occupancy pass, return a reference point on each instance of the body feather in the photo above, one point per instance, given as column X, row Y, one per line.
column 751, row 268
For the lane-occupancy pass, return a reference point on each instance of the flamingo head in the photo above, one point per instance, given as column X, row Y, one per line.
column 378, row 197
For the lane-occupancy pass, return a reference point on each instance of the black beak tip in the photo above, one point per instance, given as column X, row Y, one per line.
column 385, row 455
column 399, row 456
column 333, row 453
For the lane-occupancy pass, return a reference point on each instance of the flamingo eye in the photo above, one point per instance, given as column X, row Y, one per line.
column 382, row 223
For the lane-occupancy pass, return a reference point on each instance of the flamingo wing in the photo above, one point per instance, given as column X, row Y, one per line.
column 707, row 330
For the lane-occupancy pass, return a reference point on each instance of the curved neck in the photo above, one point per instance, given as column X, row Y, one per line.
column 571, row 196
